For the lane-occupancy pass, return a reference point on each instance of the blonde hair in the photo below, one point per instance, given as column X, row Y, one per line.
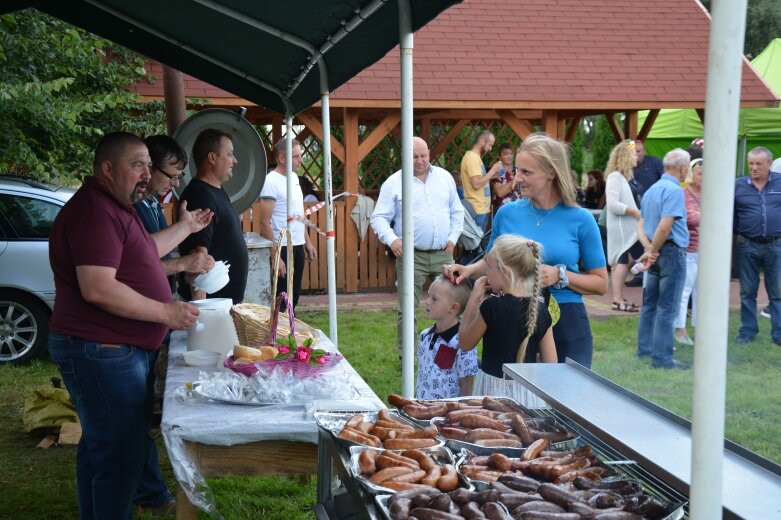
column 458, row 293
column 553, row 157
column 692, row 165
column 620, row 159
column 521, row 256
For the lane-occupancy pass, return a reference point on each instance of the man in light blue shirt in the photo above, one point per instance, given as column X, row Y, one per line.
column 662, row 231
column 438, row 218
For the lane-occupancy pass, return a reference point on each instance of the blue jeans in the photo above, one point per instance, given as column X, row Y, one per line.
column 109, row 386
column 750, row 257
column 661, row 297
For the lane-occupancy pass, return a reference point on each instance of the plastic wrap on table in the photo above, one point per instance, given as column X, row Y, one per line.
column 279, row 387
column 467, row 399
column 334, row 421
column 546, row 422
column 440, row 454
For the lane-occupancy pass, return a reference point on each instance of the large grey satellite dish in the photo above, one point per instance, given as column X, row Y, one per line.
column 250, row 170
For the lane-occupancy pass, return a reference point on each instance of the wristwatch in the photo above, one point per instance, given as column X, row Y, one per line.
column 563, row 279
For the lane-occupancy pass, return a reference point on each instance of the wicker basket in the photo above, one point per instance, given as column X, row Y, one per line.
column 253, row 322
column 253, row 325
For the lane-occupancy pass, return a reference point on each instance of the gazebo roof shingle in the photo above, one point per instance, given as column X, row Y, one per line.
column 565, row 54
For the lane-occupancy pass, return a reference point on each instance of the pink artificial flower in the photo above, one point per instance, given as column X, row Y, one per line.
column 283, row 349
column 320, row 360
column 303, row 353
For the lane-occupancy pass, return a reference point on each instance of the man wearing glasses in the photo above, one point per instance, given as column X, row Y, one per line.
column 168, row 161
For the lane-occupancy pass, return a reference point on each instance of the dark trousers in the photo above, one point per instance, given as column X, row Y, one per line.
column 572, row 334
column 298, row 272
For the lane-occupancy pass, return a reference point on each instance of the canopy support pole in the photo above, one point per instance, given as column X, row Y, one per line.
column 722, row 102
column 406, row 284
column 329, row 215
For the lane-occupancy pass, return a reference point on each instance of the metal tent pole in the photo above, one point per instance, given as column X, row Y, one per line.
column 722, row 103
column 329, row 215
column 405, row 285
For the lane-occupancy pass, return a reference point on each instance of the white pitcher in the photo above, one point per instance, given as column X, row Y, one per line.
column 214, row 330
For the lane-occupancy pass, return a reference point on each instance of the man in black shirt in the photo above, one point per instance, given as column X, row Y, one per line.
column 223, row 238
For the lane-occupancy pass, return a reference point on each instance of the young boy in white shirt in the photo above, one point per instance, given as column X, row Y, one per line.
column 444, row 370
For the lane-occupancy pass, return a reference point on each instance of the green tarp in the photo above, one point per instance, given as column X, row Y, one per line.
column 759, row 126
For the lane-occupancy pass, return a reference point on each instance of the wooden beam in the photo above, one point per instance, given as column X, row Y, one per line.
column 441, row 146
column 561, row 127
column 378, row 134
column 425, row 128
column 573, row 128
column 630, row 124
column 304, row 133
column 349, row 236
column 701, row 114
column 550, row 123
column 521, row 127
column 316, row 127
column 648, row 124
column 617, row 132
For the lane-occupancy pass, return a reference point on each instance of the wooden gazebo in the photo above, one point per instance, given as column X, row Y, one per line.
column 514, row 66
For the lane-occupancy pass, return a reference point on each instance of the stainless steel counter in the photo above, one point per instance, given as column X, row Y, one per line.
column 657, row 439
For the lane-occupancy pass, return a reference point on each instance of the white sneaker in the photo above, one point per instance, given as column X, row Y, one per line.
column 683, row 340
column 765, row 312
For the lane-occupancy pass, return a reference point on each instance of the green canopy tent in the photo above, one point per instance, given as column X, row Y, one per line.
column 756, row 126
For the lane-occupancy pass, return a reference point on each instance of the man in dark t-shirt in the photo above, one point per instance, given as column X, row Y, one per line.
column 222, row 238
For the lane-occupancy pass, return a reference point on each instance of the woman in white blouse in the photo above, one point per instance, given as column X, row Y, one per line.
column 622, row 217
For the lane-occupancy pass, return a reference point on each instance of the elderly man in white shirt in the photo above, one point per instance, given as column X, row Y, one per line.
column 437, row 214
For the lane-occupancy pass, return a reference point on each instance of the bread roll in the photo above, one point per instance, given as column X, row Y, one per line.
column 255, row 354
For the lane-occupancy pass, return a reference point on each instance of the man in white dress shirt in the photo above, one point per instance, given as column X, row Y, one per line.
column 438, row 218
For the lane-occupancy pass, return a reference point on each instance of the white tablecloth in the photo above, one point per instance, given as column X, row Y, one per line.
column 209, row 422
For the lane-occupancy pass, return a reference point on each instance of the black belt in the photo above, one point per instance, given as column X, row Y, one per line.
column 761, row 240
column 671, row 243
column 429, row 250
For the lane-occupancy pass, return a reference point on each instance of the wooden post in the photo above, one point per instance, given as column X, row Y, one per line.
column 351, row 183
column 630, row 124
column 175, row 105
column 648, row 124
column 425, row 129
column 550, row 123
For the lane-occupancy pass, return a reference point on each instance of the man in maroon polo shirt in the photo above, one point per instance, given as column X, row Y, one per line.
column 112, row 308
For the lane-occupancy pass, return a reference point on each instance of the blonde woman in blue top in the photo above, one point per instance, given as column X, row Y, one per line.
column 573, row 259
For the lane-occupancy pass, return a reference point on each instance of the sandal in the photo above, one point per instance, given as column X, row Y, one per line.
column 625, row 306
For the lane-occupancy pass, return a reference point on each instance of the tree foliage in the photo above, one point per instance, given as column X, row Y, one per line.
column 763, row 23
column 603, row 142
column 576, row 154
column 61, row 89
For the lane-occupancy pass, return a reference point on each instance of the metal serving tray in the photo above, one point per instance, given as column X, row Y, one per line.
column 382, row 506
column 506, row 400
column 334, row 421
column 440, row 454
column 458, row 445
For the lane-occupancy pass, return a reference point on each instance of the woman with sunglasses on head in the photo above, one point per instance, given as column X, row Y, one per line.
column 573, row 260
column 622, row 216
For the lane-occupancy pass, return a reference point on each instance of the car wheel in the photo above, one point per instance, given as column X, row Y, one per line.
column 24, row 327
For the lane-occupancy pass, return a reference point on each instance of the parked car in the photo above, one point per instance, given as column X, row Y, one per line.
column 27, row 212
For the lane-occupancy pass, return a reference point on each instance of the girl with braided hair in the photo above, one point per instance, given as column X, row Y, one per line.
column 507, row 312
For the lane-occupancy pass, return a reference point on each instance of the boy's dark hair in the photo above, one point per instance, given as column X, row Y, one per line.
column 505, row 146
column 165, row 151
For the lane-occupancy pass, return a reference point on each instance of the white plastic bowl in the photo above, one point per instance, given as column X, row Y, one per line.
column 201, row 358
column 211, row 283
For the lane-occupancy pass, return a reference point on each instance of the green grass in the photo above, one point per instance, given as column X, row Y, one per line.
column 40, row 484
